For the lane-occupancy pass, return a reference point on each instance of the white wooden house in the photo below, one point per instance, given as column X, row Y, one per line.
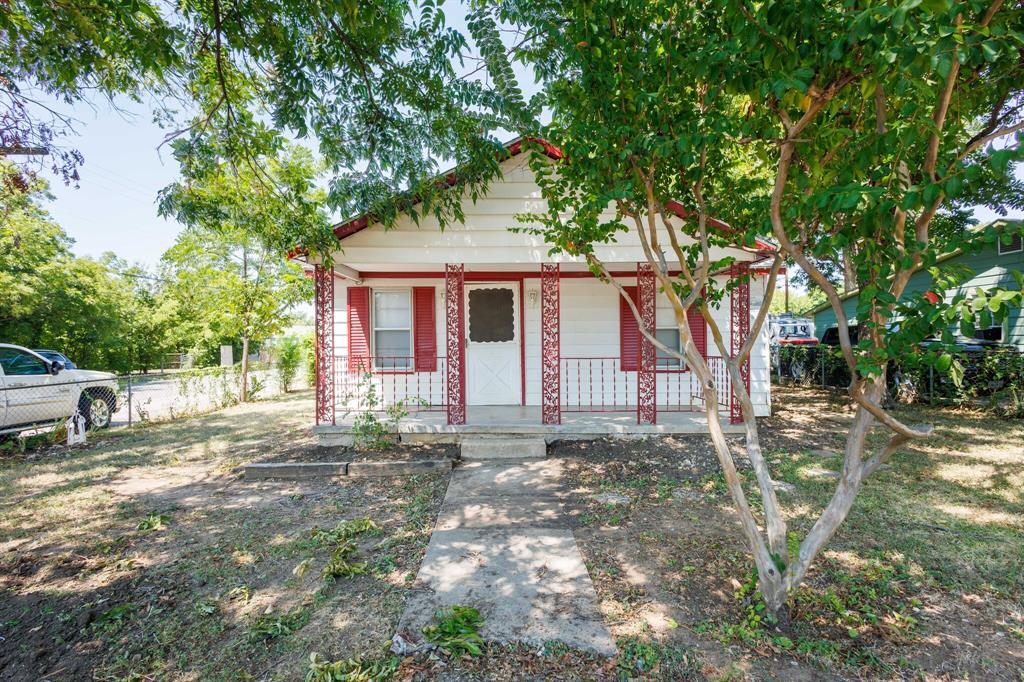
column 477, row 329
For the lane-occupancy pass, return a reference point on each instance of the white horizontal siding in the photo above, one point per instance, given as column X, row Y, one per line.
column 589, row 329
column 483, row 237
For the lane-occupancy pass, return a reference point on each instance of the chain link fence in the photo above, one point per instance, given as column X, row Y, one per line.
column 993, row 378
column 57, row 407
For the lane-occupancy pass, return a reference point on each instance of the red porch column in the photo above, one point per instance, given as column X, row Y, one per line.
column 646, row 376
column 323, row 279
column 739, row 330
column 455, row 276
column 550, row 343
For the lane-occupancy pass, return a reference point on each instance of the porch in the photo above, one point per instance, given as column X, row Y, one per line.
column 525, row 420
column 510, row 366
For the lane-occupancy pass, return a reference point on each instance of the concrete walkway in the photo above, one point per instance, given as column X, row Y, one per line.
column 502, row 545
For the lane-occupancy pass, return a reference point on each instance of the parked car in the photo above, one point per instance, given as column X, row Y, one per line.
column 36, row 391
column 60, row 357
column 788, row 329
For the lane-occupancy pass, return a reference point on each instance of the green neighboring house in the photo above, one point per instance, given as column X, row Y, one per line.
column 991, row 266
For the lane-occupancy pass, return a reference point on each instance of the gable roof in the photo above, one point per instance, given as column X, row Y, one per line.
column 450, row 178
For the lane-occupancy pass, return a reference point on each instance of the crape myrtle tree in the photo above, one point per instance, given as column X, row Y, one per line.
column 841, row 130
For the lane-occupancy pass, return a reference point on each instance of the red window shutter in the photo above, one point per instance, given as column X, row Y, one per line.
column 423, row 329
column 358, row 329
column 699, row 330
column 629, row 333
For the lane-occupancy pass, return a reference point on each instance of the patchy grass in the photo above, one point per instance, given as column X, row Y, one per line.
column 923, row 581
column 145, row 556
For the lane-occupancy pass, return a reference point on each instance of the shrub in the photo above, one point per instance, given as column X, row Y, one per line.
column 309, row 346
column 289, row 359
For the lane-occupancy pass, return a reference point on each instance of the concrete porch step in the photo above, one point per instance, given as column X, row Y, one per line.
column 481, row 448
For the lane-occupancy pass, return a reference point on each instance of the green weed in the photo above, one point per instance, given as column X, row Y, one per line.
column 344, row 531
column 112, row 620
column 351, row 669
column 272, row 625
column 456, row 632
column 154, row 522
column 656, row 660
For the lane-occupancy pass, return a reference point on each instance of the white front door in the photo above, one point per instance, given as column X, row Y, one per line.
column 493, row 351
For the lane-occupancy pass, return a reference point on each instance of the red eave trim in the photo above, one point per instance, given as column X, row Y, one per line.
column 681, row 211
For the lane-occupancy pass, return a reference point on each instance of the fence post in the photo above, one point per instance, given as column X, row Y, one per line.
column 822, row 355
column 129, row 399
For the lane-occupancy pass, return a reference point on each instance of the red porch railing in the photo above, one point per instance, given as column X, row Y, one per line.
column 378, row 382
column 588, row 384
column 599, row 384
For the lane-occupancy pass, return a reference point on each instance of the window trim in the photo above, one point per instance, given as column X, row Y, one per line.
column 1004, row 332
column 681, row 365
column 410, row 366
column 1000, row 247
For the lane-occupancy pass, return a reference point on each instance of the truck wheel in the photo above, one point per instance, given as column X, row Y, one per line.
column 97, row 407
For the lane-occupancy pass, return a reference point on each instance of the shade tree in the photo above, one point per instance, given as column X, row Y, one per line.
column 850, row 134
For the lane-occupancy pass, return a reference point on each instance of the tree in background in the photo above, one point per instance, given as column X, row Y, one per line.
column 375, row 82
column 102, row 313
column 236, row 282
column 288, row 350
column 842, row 131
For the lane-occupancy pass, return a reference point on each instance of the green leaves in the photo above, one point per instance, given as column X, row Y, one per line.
column 455, row 631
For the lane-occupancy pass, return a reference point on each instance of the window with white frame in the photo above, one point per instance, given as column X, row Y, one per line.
column 670, row 337
column 1013, row 245
column 994, row 334
column 392, row 328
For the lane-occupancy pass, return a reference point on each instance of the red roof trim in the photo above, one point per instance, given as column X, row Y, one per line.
column 681, row 211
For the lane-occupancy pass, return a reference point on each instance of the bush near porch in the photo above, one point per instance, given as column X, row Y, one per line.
column 143, row 556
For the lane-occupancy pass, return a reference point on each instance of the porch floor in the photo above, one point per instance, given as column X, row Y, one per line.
column 501, row 420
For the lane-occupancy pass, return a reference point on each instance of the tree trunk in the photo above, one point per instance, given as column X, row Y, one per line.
column 243, row 393
column 849, row 271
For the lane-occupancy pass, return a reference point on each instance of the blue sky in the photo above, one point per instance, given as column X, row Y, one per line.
column 114, row 207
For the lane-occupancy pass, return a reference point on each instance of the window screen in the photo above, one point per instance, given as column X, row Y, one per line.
column 491, row 315
column 392, row 329
column 1013, row 245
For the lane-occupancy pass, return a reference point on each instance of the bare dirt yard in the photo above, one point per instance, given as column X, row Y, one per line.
column 146, row 556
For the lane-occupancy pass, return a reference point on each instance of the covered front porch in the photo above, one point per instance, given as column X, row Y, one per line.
column 560, row 386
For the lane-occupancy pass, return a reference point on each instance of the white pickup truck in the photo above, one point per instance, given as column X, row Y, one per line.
column 36, row 392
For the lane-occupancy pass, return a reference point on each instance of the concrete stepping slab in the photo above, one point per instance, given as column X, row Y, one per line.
column 501, row 544
column 500, row 512
column 530, row 585
column 520, row 479
column 484, row 448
